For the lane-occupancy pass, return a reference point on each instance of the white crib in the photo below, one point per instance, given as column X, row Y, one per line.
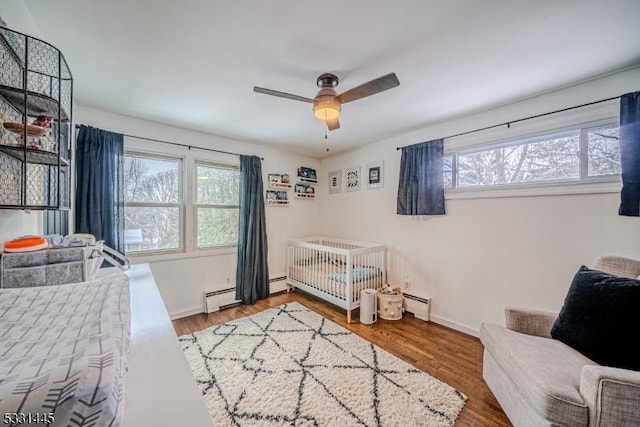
column 336, row 270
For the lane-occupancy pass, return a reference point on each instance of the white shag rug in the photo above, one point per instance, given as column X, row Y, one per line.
column 290, row 366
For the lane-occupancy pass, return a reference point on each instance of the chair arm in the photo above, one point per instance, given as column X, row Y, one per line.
column 612, row 395
column 620, row 266
column 530, row 322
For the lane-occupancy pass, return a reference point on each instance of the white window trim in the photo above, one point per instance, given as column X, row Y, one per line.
column 152, row 257
column 601, row 186
column 583, row 185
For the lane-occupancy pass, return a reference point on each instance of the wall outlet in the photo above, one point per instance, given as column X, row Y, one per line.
column 228, row 280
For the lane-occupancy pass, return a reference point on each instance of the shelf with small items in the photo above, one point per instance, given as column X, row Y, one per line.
column 277, row 202
column 277, row 198
column 304, row 190
column 40, row 147
column 280, row 186
column 33, row 155
column 308, row 181
column 305, row 196
column 307, row 175
column 38, row 104
column 36, row 97
column 279, row 181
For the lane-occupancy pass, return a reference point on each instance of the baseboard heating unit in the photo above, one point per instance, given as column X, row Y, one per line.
column 223, row 298
column 419, row 306
column 215, row 300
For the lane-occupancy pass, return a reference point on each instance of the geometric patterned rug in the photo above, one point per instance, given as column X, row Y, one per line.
column 290, row 366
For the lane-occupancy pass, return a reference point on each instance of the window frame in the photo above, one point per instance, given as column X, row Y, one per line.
column 583, row 184
column 196, row 205
column 181, row 205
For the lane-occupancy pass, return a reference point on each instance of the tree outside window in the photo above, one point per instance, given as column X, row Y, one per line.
column 574, row 156
column 153, row 203
column 217, row 205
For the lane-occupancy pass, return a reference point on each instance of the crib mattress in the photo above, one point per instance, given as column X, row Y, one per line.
column 328, row 278
column 63, row 351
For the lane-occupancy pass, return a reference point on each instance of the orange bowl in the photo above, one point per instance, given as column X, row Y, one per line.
column 26, row 244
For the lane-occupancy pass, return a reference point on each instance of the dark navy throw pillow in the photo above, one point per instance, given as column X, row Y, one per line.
column 601, row 318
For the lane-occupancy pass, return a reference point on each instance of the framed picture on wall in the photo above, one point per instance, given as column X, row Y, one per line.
column 352, row 178
column 335, row 182
column 375, row 175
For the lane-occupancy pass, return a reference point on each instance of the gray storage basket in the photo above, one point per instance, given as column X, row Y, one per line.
column 57, row 266
column 48, row 267
column 43, row 275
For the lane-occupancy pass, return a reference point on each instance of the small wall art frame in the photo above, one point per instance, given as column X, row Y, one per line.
column 375, row 175
column 335, row 182
column 352, row 178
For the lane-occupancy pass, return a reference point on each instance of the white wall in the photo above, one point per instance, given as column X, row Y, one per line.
column 487, row 253
column 14, row 223
column 18, row 223
column 18, row 17
column 182, row 279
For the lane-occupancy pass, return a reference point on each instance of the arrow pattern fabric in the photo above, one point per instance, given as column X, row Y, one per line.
column 63, row 351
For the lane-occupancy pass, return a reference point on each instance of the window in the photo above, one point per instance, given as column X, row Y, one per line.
column 604, row 151
column 161, row 217
column 573, row 156
column 448, row 171
column 153, row 203
column 217, row 192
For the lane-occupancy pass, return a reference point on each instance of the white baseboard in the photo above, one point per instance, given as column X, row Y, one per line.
column 186, row 313
column 455, row 325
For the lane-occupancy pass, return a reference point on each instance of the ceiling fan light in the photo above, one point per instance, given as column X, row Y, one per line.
column 326, row 108
column 327, row 113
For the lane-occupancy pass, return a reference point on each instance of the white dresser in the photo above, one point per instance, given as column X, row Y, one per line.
column 160, row 388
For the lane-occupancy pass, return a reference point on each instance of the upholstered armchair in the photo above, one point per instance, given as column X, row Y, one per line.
column 540, row 381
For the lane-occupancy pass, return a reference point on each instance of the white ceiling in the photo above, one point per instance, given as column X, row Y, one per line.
column 194, row 63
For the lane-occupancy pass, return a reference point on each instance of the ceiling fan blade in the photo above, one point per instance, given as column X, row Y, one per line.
column 281, row 94
column 333, row 124
column 370, row 88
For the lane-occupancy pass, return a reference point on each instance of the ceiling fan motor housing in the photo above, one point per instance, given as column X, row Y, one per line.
column 327, row 80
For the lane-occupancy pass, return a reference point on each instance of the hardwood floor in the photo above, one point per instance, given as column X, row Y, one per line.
column 444, row 353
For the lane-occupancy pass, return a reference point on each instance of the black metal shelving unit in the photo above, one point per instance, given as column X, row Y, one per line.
column 35, row 80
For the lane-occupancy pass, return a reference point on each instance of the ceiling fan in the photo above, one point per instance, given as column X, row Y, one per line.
column 327, row 104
